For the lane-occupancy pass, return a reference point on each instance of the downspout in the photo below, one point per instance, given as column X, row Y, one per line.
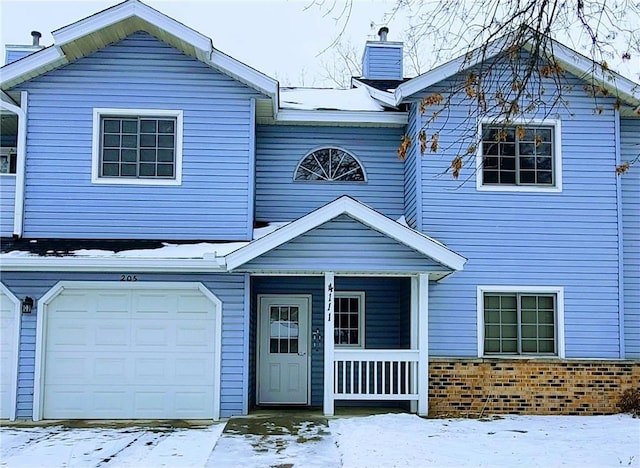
column 21, row 112
column 418, row 163
column 620, row 239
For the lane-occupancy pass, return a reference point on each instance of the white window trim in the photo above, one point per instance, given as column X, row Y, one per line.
column 364, row 172
column 8, row 151
column 559, row 293
column 557, row 157
column 361, row 318
column 99, row 112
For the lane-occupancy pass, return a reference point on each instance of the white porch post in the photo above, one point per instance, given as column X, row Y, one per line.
column 423, row 344
column 329, row 287
column 413, row 322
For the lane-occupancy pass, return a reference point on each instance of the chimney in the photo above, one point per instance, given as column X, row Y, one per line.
column 16, row 52
column 382, row 59
column 36, row 38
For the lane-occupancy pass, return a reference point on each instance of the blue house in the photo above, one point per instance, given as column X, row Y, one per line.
column 182, row 238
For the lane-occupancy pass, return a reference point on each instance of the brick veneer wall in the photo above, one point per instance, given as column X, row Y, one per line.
column 476, row 387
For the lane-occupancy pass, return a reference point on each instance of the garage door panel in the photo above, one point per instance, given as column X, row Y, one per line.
column 194, row 336
column 154, row 304
column 157, row 362
column 192, row 304
column 112, row 303
column 151, row 334
column 111, row 333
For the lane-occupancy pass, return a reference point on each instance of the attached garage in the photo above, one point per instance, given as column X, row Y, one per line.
column 128, row 350
column 9, row 337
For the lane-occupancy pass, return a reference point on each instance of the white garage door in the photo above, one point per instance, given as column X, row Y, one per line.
column 8, row 354
column 130, row 353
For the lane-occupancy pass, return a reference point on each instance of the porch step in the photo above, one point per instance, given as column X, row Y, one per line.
column 276, row 440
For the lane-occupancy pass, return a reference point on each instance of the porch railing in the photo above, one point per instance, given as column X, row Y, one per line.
column 376, row 374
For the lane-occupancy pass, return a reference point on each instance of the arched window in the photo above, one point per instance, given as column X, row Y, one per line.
column 331, row 165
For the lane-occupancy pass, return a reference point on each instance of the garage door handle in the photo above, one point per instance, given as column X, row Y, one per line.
column 302, row 354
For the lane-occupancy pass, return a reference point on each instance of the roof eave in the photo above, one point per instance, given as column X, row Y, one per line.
column 574, row 62
column 69, row 40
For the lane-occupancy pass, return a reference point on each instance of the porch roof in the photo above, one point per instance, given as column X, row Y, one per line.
column 436, row 257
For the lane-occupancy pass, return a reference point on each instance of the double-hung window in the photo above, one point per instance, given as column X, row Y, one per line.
column 521, row 322
column 349, row 319
column 520, row 157
column 137, row 147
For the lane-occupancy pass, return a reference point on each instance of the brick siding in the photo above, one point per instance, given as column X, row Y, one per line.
column 526, row 386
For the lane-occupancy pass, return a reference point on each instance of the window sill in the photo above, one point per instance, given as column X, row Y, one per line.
column 520, row 357
column 518, row 189
column 115, row 181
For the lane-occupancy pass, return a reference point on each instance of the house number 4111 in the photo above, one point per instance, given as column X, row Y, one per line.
column 128, row 278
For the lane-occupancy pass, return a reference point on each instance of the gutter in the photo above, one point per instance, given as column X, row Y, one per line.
column 21, row 112
column 209, row 264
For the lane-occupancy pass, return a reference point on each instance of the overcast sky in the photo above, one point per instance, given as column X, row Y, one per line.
column 281, row 38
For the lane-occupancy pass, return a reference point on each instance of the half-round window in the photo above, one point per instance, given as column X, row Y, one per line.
column 331, row 165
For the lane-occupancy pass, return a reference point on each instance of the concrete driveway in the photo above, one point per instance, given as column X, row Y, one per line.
column 267, row 441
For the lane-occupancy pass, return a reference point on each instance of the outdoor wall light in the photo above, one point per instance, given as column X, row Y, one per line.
column 27, row 305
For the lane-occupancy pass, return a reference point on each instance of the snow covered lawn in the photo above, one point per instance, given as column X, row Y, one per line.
column 387, row 440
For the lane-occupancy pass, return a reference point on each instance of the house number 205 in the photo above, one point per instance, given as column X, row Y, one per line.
column 128, row 278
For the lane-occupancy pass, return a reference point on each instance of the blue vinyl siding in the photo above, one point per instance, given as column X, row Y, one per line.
column 228, row 288
column 280, row 149
column 566, row 239
column 7, row 204
column 382, row 62
column 385, row 313
column 629, row 150
column 139, row 72
column 343, row 244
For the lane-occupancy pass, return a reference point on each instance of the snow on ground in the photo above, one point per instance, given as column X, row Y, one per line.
column 387, row 440
column 404, row 440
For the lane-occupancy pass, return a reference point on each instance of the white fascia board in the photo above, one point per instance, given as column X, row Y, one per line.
column 148, row 265
column 397, row 119
column 358, row 211
column 384, row 97
column 125, row 10
column 31, row 65
column 245, row 73
column 578, row 64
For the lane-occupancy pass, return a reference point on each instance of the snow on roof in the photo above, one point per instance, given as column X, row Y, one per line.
column 356, row 99
column 168, row 250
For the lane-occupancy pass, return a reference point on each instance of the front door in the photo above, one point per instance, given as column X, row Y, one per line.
column 283, row 350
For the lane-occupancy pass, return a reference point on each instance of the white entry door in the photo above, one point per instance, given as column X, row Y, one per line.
column 283, row 362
